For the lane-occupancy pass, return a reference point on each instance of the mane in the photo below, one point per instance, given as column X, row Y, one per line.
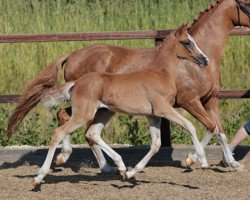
column 205, row 13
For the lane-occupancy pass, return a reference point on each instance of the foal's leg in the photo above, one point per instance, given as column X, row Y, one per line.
column 93, row 137
column 57, row 136
column 63, row 116
column 154, row 126
column 83, row 113
column 102, row 117
column 173, row 115
column 193, row 157
column 197, row 110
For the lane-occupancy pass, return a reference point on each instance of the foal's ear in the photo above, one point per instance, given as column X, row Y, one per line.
column 183, row 28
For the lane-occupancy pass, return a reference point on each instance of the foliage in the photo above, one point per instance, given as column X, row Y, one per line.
column 21, row 62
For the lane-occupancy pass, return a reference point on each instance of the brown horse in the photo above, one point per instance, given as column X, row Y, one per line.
column 150, row 92
column 196, row 90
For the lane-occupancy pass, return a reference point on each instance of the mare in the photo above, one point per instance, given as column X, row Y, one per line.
column 197, row 89
column 150, row 92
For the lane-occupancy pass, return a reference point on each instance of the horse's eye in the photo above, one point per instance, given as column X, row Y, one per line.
column 186, row 42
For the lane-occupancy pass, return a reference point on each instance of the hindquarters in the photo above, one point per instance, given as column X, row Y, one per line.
column 35, row 90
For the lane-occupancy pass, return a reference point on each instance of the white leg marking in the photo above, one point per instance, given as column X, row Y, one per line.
column 154, row 126
column 57, row 136
column 204, row 142
column 231, row 162
column 66, row 150
column 96, row 129
column 104, row 166
column 102, row 117
column 173, row 115
column 95, row 137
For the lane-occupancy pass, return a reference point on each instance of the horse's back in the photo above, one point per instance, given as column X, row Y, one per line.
column 106, row 58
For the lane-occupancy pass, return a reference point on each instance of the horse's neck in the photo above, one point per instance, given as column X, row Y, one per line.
column 211, row 33
column 165, row 56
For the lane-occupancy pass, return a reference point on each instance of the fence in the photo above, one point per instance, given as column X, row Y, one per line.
column 158, row 35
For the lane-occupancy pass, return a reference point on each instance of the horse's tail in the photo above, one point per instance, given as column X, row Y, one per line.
column 35, row 90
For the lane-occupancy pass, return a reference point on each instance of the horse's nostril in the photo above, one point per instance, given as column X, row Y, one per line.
column 202, row 60
column 205, row 59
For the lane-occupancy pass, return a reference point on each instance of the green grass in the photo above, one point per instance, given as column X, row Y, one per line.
column 21, row 62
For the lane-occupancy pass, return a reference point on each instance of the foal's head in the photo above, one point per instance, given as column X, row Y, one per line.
column 186, row 47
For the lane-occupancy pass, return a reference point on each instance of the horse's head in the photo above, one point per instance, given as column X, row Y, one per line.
column 186, row 47
column 241, row 13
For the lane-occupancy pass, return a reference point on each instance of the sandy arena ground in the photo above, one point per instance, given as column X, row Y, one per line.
column 170, row 180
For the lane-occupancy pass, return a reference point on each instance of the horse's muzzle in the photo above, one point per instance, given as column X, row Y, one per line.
column 201, row 60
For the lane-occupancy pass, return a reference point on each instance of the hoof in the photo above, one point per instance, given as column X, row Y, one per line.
column 123, row 174
column 189, row 161
column 204, row 165
column 34, row 183
column 236, row 166
column 130, row 174
column 59, row 160
column 205, row 168
column 242, row 170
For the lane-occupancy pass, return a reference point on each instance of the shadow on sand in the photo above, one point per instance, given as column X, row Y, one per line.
column 83, row 157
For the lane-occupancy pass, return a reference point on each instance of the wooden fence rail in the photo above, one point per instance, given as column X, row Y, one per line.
column 158, row 35
column 119, row 35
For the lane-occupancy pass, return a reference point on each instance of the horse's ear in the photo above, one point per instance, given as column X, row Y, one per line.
column 180, row 30
column 186, row 26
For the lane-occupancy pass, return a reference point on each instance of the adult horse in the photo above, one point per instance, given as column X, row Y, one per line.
column 150, row 92
column 199, row 96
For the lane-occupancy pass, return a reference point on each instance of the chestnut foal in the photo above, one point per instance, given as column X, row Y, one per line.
column 150, row 92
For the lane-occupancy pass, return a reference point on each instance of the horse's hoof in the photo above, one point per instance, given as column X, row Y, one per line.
column 123, row 174
column 205, row 168
column 204, row 165
column 189, row 161
column 241, row 169
column 236, row 166
column 34, row 183
column 130, row 174
column 59, row 160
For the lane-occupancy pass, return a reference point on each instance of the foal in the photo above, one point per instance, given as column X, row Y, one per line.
column 150, row 92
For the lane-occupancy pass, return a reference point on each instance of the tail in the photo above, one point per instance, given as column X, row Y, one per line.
column 34, row 92
column 58, row 94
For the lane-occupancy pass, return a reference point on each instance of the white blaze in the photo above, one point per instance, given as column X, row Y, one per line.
column 196, row 46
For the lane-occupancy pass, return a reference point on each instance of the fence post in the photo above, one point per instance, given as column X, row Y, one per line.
column 165, row 124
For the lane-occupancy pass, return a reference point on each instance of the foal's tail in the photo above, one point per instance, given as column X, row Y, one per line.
column 58, row 94
column 34, row 92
